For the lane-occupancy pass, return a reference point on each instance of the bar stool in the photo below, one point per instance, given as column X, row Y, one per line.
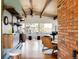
column 15, row 55
column 38, row 37
column 30, row 37
column 22, row 37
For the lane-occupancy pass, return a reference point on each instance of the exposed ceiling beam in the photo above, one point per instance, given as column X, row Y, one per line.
column 48, row 1
column 31, row 9
column 24, row 12
column 31, row 2
column 12, row 11
column 55, row 17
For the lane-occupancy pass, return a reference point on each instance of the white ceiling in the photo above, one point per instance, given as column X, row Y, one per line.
column 38, row 5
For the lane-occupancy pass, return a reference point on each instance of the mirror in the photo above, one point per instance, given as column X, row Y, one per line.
column 5, row 20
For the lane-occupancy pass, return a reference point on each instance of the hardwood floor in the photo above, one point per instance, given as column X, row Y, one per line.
column 32, row 49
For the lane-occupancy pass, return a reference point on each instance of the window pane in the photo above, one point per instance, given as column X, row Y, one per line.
column 32, row 27
column 48, row 27
column 39, row 27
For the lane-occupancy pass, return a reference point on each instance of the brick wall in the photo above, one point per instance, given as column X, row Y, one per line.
column 68, row 28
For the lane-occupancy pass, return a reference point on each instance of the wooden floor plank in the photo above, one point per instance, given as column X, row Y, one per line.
column 32, row 49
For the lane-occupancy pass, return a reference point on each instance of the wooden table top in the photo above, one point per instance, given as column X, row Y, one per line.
column 56, row 42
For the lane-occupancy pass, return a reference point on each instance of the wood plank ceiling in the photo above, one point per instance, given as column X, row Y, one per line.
column 12, row 10
column 40, row 7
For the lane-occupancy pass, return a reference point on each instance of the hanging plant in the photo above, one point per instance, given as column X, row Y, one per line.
column 6, row 20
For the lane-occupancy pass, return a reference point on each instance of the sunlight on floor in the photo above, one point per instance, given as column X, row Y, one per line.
column 32, row 48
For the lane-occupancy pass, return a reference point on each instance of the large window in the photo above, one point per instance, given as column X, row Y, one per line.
column 32, row 27
column 48, row 27
column 39, row 27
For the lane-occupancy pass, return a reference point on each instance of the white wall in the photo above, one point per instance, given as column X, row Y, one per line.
column 37, row 19
column 8, row 28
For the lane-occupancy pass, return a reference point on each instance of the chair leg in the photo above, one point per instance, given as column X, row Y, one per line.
column 44, row 49
column 53, row 51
